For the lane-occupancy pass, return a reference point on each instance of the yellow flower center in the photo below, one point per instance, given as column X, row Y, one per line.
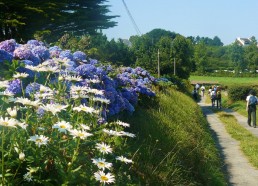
column 62, row 126
column 104, row 178
column 5, row 123
column 101, row 164
column 38, row 140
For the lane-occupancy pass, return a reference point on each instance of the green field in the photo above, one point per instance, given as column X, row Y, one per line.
column 224, row 80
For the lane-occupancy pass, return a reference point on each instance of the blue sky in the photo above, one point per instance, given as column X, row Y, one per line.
column 227, row 19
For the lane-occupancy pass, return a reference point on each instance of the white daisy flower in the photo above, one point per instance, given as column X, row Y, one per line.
column 4, row 84
column 85, row 127
column 26, row 101
column 62, row 126
column 20, row 75
column 12, row 111
column 102, row 100
column 6, row 93
column 39, row 140
column 86, row 109
column 8, row 122
column 54, row 108
column 102, row 164
column 103, row 148
column 73, row 78
column 22, row 125
column 124, row 159
column 79, row 134
column 112, row 132
column 123, row 124
column 123, row 133
column 95, row 91
column 104, row 178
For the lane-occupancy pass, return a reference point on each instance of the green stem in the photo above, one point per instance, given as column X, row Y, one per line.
column 3, row 170
column 22, row 89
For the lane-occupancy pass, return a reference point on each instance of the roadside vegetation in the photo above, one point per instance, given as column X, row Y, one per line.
column 248, row 142
column 174, row 145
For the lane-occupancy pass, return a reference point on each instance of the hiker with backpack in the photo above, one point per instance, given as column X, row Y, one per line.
column 213, row 97
column 251, row 102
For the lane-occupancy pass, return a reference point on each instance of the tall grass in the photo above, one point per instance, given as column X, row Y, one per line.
column 176, row 147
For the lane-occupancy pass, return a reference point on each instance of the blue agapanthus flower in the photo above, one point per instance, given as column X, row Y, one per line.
column 66, row 54
column 8, row 45
column 15, row 86
column 5, row 56
column 79, row 56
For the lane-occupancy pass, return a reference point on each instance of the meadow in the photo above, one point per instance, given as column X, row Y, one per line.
column 226, row 81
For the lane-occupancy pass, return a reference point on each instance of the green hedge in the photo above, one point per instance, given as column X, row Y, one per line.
column 239, row 92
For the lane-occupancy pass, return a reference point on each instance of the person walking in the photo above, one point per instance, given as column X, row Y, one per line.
column 203, row 90
column 251, row 102
column 218, row 97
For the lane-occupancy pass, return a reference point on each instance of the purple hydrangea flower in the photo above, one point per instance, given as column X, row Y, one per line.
column 79, row 56
column 22, row 52
column 15, row 86
column 8, row 45
column 35, row 42
column 55, row 51
column 66, row 54
column 41, row 52
column 86, row 70
column 93, row 61
column 5, row 56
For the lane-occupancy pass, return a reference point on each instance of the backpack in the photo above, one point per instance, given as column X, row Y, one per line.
column 252, row 101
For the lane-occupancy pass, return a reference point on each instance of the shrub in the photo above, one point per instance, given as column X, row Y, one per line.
column 237, row 93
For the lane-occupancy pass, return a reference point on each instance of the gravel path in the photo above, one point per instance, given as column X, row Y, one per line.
column 239, row 171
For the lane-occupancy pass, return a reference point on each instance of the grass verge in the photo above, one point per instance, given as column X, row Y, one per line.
column 174, row 145
column 248, row 142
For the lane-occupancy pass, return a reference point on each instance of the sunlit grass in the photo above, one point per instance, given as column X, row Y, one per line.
column 248, row 142
column 226, row 80
column 176, row 144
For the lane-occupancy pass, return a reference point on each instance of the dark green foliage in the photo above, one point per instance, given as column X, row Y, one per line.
column 237, row 93
column 21, row 19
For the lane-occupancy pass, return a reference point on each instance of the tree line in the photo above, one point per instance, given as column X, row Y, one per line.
column 77, row 25
column 188, row 55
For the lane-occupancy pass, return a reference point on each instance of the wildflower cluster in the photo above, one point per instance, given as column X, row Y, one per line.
column 55, row 130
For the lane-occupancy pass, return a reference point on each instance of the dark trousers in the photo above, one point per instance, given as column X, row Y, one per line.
column 218, row 102
column 251, row 115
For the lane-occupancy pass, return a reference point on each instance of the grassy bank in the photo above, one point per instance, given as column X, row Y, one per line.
column 174, row 145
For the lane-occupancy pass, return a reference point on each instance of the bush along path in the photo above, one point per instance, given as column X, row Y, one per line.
column 236, row 166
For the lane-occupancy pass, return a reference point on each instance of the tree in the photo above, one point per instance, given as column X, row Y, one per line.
column 183, row 54
column 237, row 57
column 200, row 57
column 251, row 56
column 23, row 19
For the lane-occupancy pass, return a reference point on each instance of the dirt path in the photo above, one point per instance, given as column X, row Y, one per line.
column 239, row 171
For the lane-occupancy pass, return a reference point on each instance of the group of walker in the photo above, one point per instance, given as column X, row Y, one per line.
column 214, row 92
